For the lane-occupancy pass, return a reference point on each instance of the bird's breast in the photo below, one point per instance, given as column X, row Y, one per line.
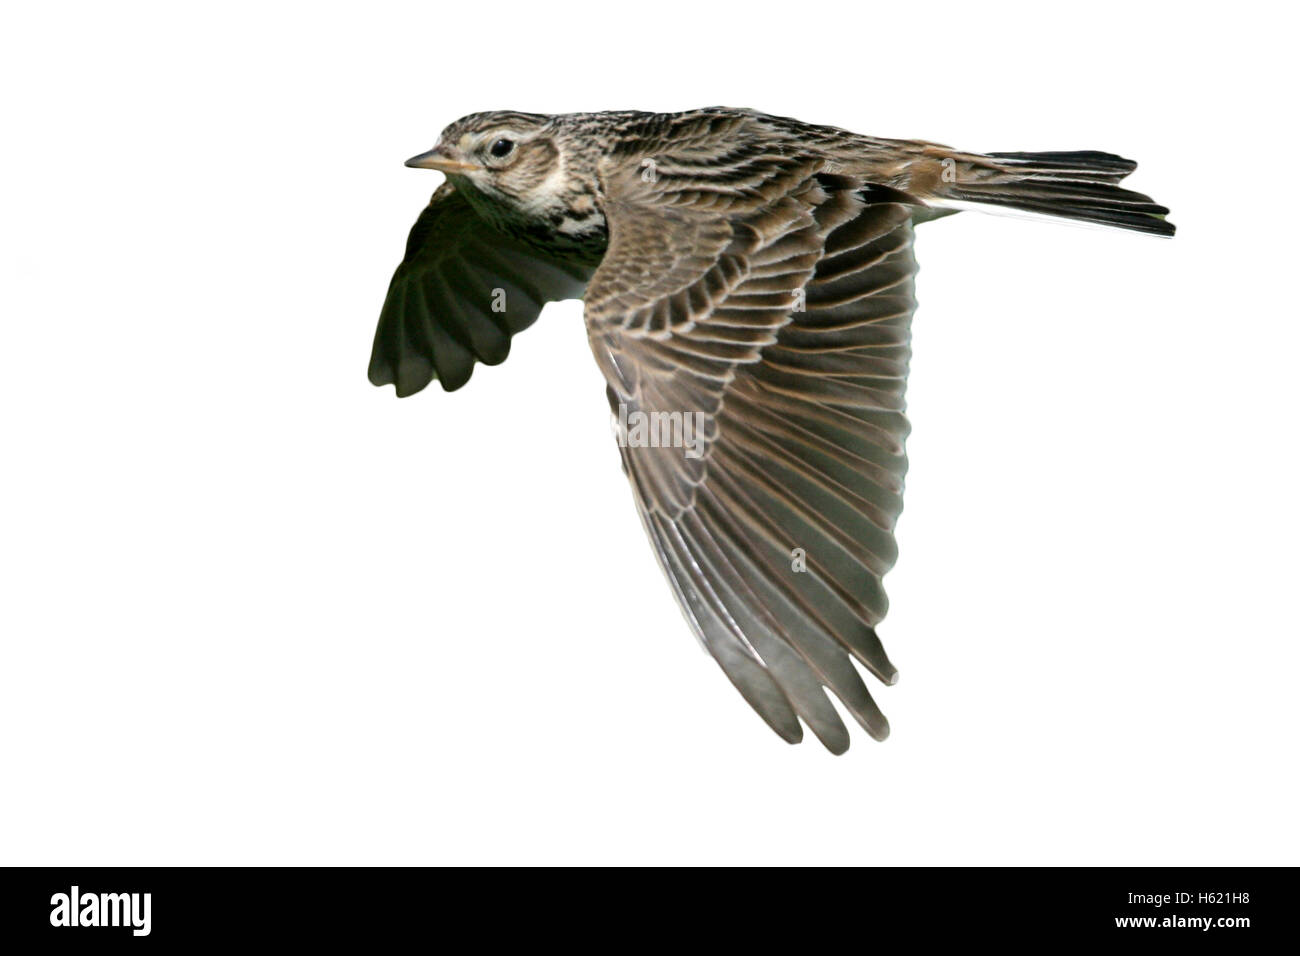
column 567, row 226
column 581, row 239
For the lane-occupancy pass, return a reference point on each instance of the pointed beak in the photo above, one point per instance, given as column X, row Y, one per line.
column 438, row 159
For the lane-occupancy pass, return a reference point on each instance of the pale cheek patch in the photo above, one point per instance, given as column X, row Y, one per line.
column 548, row 194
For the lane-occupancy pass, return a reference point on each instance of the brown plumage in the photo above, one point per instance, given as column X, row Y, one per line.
column 748, row 282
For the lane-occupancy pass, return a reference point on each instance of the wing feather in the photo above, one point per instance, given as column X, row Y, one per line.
column 774, row 302
column 463, row 289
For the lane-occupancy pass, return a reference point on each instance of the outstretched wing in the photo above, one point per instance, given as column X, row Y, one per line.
column 463, row 289
column 770, row 315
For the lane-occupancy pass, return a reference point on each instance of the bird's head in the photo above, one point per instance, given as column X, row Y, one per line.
column 512, row 158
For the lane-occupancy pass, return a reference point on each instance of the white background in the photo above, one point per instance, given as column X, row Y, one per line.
column 258, row 611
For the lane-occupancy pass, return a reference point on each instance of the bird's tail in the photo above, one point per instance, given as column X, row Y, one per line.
column 1082, row 186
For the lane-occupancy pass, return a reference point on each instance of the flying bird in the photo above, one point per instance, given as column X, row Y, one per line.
column 748, row 289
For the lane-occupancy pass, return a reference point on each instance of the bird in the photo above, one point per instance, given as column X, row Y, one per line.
column 748, row 289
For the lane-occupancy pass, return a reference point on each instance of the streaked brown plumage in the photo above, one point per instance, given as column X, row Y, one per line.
column 755, row 272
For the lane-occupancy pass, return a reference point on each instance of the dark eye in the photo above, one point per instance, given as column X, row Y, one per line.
column 501, row 148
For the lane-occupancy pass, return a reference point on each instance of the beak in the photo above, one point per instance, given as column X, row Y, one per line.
column 437, row 159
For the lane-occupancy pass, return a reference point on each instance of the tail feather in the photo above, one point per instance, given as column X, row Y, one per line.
column 1088, row 163
column 1081, row 186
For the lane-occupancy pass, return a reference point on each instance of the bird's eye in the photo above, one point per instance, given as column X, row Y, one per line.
column 501, row 148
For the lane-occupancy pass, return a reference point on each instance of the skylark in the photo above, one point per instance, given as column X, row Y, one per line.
column 748, row 287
